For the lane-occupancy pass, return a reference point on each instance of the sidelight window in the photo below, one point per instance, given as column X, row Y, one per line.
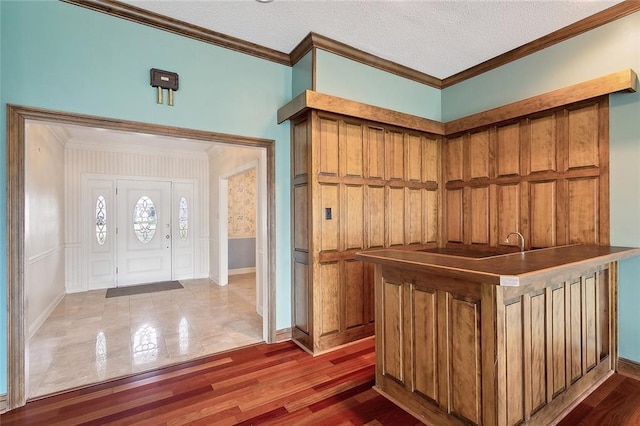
column 183, row 218
column 145, row 219
column 101, row 220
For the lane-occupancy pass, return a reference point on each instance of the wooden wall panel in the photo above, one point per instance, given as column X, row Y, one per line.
column 515, row 373
column 354, row 302
column 415, row 220
column 393, row 331
column 558, row 336
column 374, row 137
column 301, row 149
column 508, row 150
column 431, row 217
column 583, row 137
column 538, row 351
column 329, row 146
column 479, row 155
column 395, row 220
column 507, row 211
column 542, row 208
column 394, row 155
column 454, row 215
column 330, row 297
column 543, row 144
column 431, row 160
column 353, row 217
column 413, row 158
column 329, row 227
column 464, row 338
column 351, row 150
column 301, row 296
column 300, row 218
column 453, row 161
column 575, row 331
column 583, row 211
column 590, row 324
column 425, row 347
column 480, row 215
column 375, row 216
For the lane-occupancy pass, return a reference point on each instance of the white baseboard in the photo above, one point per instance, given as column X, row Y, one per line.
column 33, row 328
column 242, row 271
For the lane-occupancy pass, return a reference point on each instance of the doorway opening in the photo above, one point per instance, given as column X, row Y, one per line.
column 18, row 117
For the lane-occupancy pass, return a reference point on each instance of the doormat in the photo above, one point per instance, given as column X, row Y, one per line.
column 143, row 288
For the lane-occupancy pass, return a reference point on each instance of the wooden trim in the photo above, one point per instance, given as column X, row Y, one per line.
column 625, row 80
column 322, row 102
column 629, row 368
column 611, row 14
column 175, row 26
column 304, row 47
column 3, row 403
column 283, row 335
column 16, row 318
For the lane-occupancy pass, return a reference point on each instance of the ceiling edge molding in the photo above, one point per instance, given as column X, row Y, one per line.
column 145, row 17
column 611, row 14
column 304, row 47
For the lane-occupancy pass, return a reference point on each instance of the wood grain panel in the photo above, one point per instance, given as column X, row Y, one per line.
column 301, row 296
column 351, row 150
column 301, row 218
column 558, row 336
column 354, row 217
column 543, row 144
column 431, row 217
column 328, row 304
column 355, row 289
column 394, row 155
column 392, row 331
column 583, row 137
column 508, row 150
column 328, row 147
column 515, row 373
column 415, row 220
column 375, row 152
column 395, row 209
column 480, row 215
column 508, row 211
column 575, row 333
column 453, row 159
column 413, row 158
column 300, row 148
column 431, row 160
column 479, row 154
column 591, row 339
column 465, row 359
column 538, row 353
column 329, row 227
column 454, row 215
column 375, row 216
column 425, row 347
column 542, row 200
column 583, row 211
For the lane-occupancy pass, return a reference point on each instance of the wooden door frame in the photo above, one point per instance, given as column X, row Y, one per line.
column 17, row 117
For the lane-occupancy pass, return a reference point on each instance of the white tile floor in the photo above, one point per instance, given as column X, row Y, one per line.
column 89, row 338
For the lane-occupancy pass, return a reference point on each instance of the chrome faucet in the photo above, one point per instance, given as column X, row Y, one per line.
column 506, row 240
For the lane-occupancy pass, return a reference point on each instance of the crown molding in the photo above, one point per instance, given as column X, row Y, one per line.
column 589, row 23
column 155, row 20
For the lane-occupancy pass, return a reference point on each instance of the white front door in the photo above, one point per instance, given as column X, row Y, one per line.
column 143, row 232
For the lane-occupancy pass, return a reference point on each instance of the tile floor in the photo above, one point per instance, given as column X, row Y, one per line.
column 89, row 338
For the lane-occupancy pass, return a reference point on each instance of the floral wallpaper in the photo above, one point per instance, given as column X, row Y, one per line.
column 242, row 205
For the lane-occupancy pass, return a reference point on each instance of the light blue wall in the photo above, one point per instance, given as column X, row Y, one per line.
column 610, row 48
column 3, row 228
column 67, row 58
column 302, row 75
column 349, row 79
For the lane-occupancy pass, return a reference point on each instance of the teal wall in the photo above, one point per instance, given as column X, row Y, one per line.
column 345, row 78
column 67, row 58
column 610, row 48
column 302, row 75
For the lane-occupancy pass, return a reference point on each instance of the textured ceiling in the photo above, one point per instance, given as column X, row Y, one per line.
column 436, row 37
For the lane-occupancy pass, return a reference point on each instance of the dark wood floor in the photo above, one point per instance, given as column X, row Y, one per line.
column 272, row 384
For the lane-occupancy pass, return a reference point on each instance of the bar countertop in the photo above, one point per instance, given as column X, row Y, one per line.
column 513, row 269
